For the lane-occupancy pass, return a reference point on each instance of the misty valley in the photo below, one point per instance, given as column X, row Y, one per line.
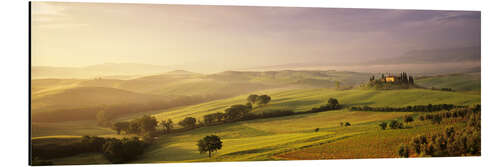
column 269, row 115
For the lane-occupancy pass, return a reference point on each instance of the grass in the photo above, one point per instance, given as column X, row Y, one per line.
column 460, row 82
column 305, row 99
column 293, row 137
column 86, row 158
column 261, row 139
column 70, row 128
column 381, row 143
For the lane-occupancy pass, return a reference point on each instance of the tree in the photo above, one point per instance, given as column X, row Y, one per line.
column 209, row 118
column 236, row 112
column 252, row 98
column 341, row 124
column 120, row 126
column 188, row 122
column 209, row 144
column 147, row 123
column 403, row 151
column 119, row 151
column 347, row 124
column 395, row 124
column 263, row 99
column 333, row 103
column 383, row 125
column 133, row 128
column 168, row 125
column 411, row 82
column 219, row 116
column 408, row 119
column 316, row 130
column 436, row 119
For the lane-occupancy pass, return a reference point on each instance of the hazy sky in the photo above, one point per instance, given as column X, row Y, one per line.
column 213, row 38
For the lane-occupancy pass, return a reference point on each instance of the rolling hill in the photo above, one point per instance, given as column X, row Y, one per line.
column 460, row 82
column 82, row 103
column 293, row 137
column 175, row 88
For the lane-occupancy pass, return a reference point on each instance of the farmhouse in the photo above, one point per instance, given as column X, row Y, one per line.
column 390, row 79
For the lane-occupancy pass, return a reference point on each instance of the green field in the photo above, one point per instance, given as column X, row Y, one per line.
column 305, row 99
column 293, row 137
column 460, row 82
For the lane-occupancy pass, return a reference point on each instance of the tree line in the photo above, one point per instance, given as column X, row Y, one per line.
column 415, row 108
column 242, row 112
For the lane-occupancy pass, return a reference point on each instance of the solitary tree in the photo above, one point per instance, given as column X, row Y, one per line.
column 209, row 144
column 333, row 103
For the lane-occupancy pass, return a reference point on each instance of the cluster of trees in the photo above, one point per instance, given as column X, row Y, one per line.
column 415, row 108
column 436, row 118
column 403, row 81
column 115, row 150
column 333, row 104
column 145, row 125
column 403, row 78
column 451, row 142
column 122, row 150
column 240, row 112
column 394, row 124
column 258, row 100
column 43, row 149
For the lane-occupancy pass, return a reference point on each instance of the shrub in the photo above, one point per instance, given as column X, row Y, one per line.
column 437, row 119
column 396, row 124
column 408, row 118
column 383, row 125
column 403, row 151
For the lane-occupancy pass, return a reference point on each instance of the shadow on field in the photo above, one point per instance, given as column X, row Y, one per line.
column 359, row 104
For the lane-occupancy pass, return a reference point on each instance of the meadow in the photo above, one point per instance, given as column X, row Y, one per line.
column 278, row 138
column 293, row 137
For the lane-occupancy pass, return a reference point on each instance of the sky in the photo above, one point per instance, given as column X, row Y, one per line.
column 217, row 38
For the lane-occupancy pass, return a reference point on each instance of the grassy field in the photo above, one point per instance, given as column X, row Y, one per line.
column 69, row 128
column 381, row 143
column 305, row 99
column 460, row 82
column 289, row 137
column 261, row 139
